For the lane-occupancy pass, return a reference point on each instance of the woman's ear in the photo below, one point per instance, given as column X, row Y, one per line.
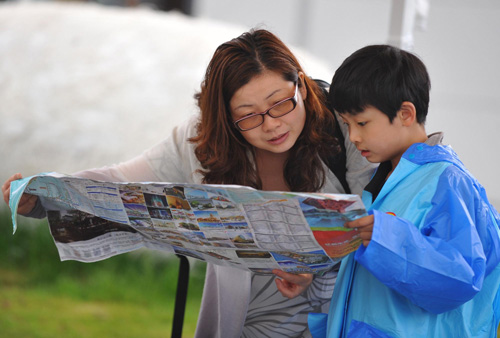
column 407, row 113
column 302, row 85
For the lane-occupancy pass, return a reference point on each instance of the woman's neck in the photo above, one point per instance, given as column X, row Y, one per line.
column 270, row 168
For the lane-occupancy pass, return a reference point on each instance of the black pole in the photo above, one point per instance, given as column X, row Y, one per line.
column 180, row 297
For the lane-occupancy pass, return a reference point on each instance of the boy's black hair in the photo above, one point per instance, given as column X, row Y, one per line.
column 381, row 76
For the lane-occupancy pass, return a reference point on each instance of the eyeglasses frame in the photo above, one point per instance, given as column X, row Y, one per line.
column 293, row 98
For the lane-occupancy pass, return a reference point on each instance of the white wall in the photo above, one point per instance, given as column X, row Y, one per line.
column 460, row 48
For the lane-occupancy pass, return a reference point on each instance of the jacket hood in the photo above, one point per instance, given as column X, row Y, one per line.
column 421, row 153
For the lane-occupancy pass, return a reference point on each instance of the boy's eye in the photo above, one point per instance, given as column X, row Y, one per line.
column 362, row 124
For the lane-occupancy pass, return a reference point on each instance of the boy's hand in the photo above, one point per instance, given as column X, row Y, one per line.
column 27, row 201
column 292, row 285
column 364, row 226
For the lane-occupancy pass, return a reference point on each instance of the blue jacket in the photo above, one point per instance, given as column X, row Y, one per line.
column 431, row 271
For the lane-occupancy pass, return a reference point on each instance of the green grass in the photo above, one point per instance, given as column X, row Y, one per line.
column 128, row 295
column 35, row 313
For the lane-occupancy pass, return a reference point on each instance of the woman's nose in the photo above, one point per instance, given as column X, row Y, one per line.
column 270, row 123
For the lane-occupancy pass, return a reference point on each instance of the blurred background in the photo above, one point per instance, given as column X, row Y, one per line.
column 85, row 84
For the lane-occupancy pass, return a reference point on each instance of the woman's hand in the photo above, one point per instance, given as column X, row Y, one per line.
column 365, row 227
column 292, row 285
column 27, row 201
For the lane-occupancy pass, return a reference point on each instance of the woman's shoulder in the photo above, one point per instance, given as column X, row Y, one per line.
column 173, row 158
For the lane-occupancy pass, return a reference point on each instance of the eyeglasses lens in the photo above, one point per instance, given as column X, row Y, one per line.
column 279, row 110
column 250, row 122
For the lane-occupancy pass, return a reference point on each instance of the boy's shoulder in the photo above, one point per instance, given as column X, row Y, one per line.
column 433, row 150
column 440, row 160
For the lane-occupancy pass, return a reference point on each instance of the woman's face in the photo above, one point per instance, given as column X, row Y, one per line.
column 276, row 135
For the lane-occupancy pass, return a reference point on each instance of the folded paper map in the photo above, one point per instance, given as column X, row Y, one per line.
column 222, row 224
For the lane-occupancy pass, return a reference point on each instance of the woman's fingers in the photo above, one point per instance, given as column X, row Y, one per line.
column 27, row 201
column 6, row 186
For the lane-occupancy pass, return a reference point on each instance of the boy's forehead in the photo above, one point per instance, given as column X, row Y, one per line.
column 364, row 110
column 352, row 112
column 346, row 116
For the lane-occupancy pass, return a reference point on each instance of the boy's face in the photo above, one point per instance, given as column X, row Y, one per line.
column 376, row 137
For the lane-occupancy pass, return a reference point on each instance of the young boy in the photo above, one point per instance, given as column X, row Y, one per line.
column 428, row 266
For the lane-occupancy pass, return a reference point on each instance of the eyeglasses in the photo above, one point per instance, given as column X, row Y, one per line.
column 277, row 110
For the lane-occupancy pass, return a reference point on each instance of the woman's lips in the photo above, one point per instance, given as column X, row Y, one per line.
column 279, row 139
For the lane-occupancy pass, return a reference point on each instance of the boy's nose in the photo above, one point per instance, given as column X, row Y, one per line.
column 354, row 136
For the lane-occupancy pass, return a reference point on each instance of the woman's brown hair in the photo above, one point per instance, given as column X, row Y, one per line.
column 225, row 156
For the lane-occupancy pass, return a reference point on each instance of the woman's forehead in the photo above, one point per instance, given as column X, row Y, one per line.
column 261, row 87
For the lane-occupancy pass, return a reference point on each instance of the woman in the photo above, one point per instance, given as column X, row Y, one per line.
column 263, row 123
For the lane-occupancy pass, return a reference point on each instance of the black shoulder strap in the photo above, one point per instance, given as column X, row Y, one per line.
column 336, row 163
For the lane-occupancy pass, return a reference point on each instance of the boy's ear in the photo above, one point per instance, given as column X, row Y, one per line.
column 407, row 113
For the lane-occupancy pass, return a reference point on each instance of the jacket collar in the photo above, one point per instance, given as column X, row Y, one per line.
column 431, row 150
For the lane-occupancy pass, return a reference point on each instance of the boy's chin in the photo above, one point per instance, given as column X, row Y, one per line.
column 375, row 159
